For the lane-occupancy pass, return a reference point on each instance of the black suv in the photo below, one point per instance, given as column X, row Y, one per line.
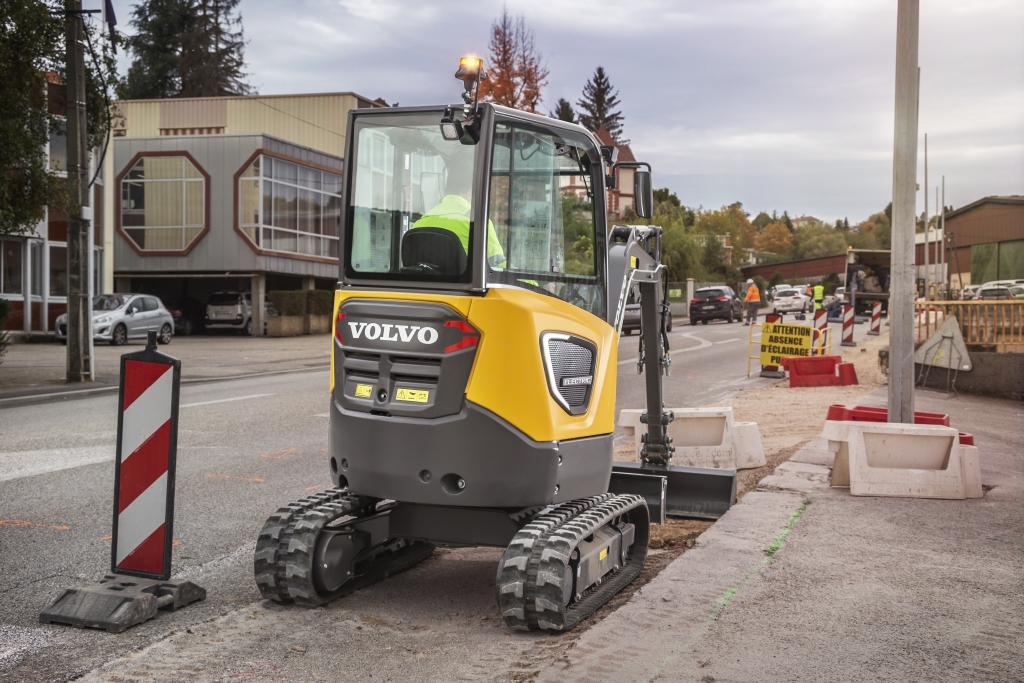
column 709, row 303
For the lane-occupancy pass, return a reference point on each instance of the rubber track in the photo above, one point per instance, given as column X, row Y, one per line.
column 284, row 552
column 271, row 546
column 535, row 566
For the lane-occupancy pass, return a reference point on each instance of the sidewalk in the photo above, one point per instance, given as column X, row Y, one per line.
column 37, row 370
column 800, row 581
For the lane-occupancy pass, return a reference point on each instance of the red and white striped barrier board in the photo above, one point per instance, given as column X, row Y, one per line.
column 821, row 325
column 848, row 326
column 876, row 318
column 772, row 371
column 147, row 429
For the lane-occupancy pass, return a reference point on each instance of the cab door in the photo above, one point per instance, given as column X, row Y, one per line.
column 135, row 318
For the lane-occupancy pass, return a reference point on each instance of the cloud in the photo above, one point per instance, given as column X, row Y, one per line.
column 780, row 104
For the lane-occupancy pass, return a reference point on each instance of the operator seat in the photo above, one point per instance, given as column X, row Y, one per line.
column 433, row 250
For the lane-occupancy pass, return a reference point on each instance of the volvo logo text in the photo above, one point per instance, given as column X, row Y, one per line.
column 394, row 333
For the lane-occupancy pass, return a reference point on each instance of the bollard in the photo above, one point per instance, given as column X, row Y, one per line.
column 147, row 431
column 848, row 326
column 821, row 324
column 876, row 318
column 772, row 371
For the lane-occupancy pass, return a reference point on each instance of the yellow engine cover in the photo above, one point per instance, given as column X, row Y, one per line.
column 508, row 375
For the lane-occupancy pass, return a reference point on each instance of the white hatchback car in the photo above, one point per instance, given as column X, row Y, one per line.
column 791, row 301
column 117, row 318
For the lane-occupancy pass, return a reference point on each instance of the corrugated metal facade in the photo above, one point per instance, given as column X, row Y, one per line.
column 316, row 121
column 222, row 249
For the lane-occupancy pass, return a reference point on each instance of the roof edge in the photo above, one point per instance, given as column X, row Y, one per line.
column 993, row 199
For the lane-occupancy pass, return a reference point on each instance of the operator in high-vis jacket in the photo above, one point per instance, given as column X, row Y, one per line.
column 454, row 213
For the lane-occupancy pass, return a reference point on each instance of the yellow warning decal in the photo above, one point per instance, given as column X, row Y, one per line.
column 632, row 261
column 364, row 390
column 413, row 395
column 604, row 554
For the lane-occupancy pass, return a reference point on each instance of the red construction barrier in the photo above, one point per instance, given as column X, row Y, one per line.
column 848, row 326
column 843, row 413
column 817, row 371
column 837, row 411
column 847, row 374
column 876, row 318
column 147, row 430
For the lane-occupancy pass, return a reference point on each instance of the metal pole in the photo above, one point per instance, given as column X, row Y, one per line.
column 904, row 181
column 942, row 223
column 927, row 280
column 79, row 309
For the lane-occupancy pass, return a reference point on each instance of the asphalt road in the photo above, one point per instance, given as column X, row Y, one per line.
column 245, row 448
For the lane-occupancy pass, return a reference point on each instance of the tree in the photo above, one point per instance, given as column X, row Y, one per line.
column 155, row 72
column 776, row 279
column 817, row 240
column 775, row 238
column 563, row 111
column 666, row 195
column 32, row 60
column 212, row 60
column 598, row 106
column 786, row 221
column 762, row 220
column 713, row 255
column 186, row 48
column 516, row 72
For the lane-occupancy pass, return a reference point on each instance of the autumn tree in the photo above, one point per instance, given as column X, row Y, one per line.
column 762, row 220
column 775, row 238
column 516, row 72
column 599, row 106
column 563, row 111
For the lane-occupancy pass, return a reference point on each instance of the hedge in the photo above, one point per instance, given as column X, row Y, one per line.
column 301, row 302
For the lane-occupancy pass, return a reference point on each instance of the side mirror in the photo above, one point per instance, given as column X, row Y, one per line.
column 130, row 311
column 643, row 193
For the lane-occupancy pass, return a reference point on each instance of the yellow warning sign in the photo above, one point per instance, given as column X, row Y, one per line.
column 413, row 395
column 364, row 390
column 780, row 341
column 602, row 555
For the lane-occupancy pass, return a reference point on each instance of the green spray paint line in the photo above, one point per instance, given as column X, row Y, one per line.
column 722, row 602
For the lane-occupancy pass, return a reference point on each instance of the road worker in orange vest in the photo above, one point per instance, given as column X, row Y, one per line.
column 753, row 299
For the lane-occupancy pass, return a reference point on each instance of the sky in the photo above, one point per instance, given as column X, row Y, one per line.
column 779, row 104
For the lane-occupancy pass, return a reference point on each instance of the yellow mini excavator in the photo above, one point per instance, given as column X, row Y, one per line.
column 475, row 351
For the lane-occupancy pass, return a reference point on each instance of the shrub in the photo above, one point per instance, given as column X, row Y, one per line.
column 762, row 287
column 289, row 302
column 320, row 302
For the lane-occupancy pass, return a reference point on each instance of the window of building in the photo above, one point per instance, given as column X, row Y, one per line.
column 59, row 148
column 163, row 203
column 10, row 267
column 58, row 270
column 288, row 207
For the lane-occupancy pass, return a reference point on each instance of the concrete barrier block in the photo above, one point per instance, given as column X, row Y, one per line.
column 704, row 437
column 971, row 461
column 747, row 440
column 885, row 459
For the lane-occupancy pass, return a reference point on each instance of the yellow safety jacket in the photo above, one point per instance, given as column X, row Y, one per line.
column 819, row 296
column 452, row 214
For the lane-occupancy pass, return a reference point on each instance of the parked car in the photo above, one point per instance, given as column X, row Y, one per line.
column 1002, row 283
column 1017, row 291
column 189, row 316
column 791, row 300
column 233, row 311
column 711, row 303
column 969, row 292
column 631, row 318
column 118, row 318
column 994, row 294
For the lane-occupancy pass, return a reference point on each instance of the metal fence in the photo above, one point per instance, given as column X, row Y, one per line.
column 982, row 323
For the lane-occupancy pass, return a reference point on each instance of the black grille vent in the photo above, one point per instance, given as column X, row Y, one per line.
column 570, row 363
column 570, row 360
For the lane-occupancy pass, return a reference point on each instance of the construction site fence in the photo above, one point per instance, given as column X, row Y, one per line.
column 982, row 323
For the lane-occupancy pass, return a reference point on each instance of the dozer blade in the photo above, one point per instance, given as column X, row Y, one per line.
column 698, row 492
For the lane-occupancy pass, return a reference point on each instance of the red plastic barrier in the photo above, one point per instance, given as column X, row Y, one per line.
column 872, row 414
column 818, row 371
column 847, row 374
column 966, row 439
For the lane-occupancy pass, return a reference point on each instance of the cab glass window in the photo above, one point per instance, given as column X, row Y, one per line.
column 410, row 207
column 541, row 233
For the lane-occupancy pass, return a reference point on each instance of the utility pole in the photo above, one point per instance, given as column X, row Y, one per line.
column 904, row 208
column 927, row 281
column 942, row 224
column 79, row 363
